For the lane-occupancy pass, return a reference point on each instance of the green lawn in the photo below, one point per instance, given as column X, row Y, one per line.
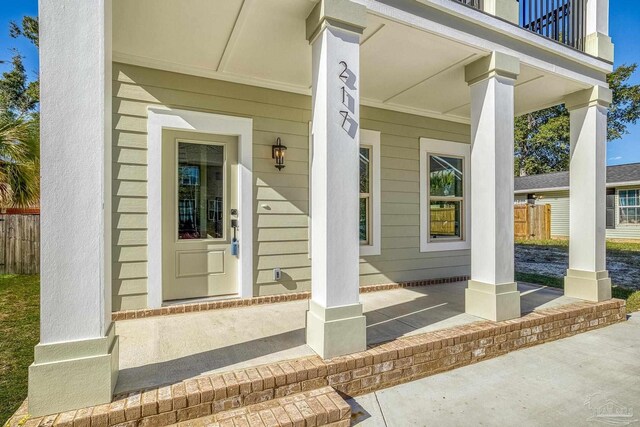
column 19, row 333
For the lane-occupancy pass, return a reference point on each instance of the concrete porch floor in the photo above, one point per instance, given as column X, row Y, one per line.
column 166, row 349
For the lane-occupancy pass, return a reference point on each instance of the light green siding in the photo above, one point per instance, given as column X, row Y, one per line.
column 282, row 198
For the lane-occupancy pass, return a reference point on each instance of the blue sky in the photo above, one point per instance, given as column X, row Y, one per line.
column 624, row 23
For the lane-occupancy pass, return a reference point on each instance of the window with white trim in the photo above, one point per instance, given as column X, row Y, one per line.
column 629, row 206
column 444, row 195
column 369, row 203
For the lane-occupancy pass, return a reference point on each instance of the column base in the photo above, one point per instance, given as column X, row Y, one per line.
column 509, row 10
column 599, row 45
column 492, row 302
column 588, row 285
column 336, row 331
column 74, row 374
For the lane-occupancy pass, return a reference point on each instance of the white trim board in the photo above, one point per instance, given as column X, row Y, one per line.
column 195, row 121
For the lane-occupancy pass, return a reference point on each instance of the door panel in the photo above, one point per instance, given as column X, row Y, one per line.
column 199, row 184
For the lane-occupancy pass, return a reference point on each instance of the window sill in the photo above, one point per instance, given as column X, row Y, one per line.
column 444, row 246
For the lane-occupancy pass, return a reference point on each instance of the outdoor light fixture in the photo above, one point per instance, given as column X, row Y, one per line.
column 277, row 152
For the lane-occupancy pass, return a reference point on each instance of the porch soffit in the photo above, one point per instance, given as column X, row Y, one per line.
column 262, row 42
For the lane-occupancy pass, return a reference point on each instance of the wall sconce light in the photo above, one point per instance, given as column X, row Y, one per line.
column 277, row 153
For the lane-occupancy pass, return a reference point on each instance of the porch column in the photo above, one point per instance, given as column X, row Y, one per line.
column 335, row 323
column 597, row 41
column 492, row 292
column 587, row 277
column 76, row 361
column 508, row 10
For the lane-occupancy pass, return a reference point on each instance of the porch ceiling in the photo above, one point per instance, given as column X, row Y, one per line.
column 262, row 42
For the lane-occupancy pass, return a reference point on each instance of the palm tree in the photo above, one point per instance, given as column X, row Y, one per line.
column 19, row 161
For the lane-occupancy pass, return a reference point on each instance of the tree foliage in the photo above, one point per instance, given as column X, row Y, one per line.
column 542, row 138
column 20, row 127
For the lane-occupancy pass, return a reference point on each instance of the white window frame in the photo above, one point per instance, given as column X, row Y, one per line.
column 445, row 148
column 371, row 139
column 619, row 206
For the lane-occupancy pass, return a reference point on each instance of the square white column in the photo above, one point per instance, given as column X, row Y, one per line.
column 587, row 277
column 597, row 41
column 335, row 323
column 76, row 361
column 492, row 292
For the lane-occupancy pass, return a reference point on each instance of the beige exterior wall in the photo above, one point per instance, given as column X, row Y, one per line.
column 281, row 229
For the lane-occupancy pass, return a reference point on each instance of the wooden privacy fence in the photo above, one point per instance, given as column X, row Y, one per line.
column 19, row 244
column 532, row 221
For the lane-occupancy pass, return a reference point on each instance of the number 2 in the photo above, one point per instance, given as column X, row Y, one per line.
column 343, row 75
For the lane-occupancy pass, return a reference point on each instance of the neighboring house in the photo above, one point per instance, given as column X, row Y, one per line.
column 164, row 126
column 622, row 199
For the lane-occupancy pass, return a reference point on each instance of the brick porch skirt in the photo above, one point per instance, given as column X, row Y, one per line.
column 269, row 299
column 402, row 360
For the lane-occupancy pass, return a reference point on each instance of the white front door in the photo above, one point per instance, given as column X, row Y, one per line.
column 200, row 188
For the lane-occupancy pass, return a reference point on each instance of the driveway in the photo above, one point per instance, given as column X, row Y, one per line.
column 588, row 379
column 553, row 261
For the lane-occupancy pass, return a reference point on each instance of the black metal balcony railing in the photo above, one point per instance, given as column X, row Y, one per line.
column 560, row 20
column 473, row 3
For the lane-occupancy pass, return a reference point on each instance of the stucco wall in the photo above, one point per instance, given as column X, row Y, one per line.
column 281, row 233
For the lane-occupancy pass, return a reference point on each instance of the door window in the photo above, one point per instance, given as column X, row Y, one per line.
column 201, row 188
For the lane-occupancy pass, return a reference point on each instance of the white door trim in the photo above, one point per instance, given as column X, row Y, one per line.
column 196, row 121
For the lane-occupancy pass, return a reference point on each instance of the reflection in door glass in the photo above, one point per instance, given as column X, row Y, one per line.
column 200, row 191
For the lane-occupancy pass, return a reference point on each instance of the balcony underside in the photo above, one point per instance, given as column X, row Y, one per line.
column 403, row 67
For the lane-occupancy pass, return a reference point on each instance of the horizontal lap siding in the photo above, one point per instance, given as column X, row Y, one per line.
column 623, row 231
column 282, row 198
column 559, row 201
column 401, row 259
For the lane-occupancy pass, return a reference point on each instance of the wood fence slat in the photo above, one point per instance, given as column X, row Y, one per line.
column 532, row 221
column 19, row 244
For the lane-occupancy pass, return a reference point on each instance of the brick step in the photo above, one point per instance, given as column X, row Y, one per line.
column 319, row 407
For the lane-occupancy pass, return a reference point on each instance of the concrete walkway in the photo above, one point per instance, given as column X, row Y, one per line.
column 588, row 379
column 166, row 349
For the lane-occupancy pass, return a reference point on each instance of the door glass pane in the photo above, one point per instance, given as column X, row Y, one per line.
column 445, row 176
column 364, row 219
column 200, row 191
column 445, row 219
column 365, row 166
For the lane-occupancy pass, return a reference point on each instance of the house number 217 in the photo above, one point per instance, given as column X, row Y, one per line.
column 348, row 100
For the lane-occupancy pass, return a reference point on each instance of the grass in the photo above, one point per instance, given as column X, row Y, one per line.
column 19, row 333
column 630, row 295
column 612, row 246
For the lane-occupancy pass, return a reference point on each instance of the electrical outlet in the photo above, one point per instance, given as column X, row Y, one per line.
column 277, row 273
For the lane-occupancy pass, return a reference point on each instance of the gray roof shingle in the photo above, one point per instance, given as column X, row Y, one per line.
column 615, row 174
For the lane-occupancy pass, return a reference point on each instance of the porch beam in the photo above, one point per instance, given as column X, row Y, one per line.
column 492, row 292
column 587, row 277
column 76, row 361
column 335, row 321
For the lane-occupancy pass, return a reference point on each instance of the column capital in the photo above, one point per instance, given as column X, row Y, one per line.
column 343, row 14
column 495, row 64
column 597, row 95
